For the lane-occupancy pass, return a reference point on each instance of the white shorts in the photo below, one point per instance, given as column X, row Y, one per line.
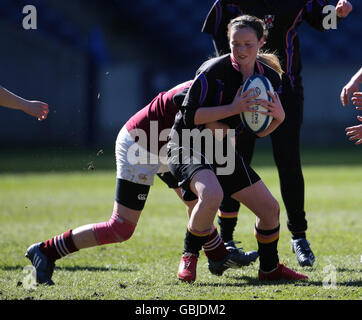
column 134, row 163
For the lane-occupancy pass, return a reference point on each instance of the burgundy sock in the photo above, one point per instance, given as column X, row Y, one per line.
column 214, row 248
column 59, row 246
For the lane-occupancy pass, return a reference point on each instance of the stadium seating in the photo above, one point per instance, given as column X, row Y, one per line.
column 180, row 21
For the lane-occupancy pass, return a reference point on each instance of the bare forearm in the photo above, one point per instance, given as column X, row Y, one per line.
column 207, row 115
column 358, row 76
column 273, row 125
column 10, row 100
column 36, row 109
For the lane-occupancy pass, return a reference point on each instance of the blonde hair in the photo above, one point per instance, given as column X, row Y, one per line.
column 272, row 60
column 258, row 25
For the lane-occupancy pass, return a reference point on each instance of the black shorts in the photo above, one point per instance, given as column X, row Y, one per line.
column 229, row 205
column 169, row 179
column 242, row 176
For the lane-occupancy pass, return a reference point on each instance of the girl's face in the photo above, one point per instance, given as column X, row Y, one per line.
column 244, row 46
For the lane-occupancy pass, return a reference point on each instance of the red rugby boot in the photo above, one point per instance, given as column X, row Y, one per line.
column 281, row 273
column 187, row 267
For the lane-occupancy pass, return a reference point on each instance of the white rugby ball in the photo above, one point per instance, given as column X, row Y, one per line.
column 254, row 120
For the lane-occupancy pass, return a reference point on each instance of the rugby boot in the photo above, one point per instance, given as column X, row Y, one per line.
column 236, row 259
column 187, row 268
column 43, row 265
column 251, row 255
column 303, row 252
column 231, row 244
column 281, row 273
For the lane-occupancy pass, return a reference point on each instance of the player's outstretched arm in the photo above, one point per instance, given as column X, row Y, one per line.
column 351, row 87
column 355, row 132
column 36, row 109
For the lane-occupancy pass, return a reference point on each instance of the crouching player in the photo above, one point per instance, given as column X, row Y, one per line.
column 134, row 178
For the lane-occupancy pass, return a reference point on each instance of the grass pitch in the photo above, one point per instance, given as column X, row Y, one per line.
column 43, row 194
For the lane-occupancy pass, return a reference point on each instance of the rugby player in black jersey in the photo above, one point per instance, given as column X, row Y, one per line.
column 282, row 19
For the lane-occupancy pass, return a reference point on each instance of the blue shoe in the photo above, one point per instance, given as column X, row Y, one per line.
column 235, row 259
column 303, row 252
column 250, row 256
column 232, row 244
column 43, row 266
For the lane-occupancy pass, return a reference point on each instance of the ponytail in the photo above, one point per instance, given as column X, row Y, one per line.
column 271, row 60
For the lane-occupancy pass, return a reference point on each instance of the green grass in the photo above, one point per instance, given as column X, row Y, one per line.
column 42, row 195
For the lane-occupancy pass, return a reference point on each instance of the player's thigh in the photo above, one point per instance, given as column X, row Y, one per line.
column 205, row 184
column 258, row 199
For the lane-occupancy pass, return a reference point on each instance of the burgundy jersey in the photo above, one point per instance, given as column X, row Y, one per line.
column 161, row 111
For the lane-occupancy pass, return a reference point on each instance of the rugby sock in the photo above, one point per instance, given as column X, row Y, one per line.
column 298, row 235
column 59, row 246
column 214, row 248
column 227, row 222
column 194, row 240
column 267, row 248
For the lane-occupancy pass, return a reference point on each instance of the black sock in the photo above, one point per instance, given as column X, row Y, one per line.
column 227, row 227
column 298, row 235
column 193, row 243
column 268, row 248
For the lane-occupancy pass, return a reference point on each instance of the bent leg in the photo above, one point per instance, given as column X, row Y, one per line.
column 205, row 185
column 119, row 228
column 260, row 201
column 189, row 204
column 210, row 194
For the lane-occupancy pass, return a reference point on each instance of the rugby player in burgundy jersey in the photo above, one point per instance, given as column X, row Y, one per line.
column 136, row 168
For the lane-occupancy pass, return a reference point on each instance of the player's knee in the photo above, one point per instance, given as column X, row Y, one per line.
column 117, row 229
column 273, row 210
column 270, row 211
column 211, row 198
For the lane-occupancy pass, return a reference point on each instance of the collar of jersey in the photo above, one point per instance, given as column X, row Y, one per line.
column 258, row 68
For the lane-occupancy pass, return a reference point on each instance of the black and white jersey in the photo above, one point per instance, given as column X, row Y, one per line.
column 216, row 83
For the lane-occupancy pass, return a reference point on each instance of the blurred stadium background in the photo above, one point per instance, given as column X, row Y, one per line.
column 97, row 62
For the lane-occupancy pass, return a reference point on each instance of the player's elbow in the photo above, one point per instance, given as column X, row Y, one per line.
column 261, row 134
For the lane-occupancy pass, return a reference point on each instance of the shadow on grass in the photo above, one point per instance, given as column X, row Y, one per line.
column 251, row 281
column 74, row 268
column 95, row 269
column 347, row 270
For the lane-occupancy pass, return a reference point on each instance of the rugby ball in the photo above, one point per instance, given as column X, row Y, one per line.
column 254, row 120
